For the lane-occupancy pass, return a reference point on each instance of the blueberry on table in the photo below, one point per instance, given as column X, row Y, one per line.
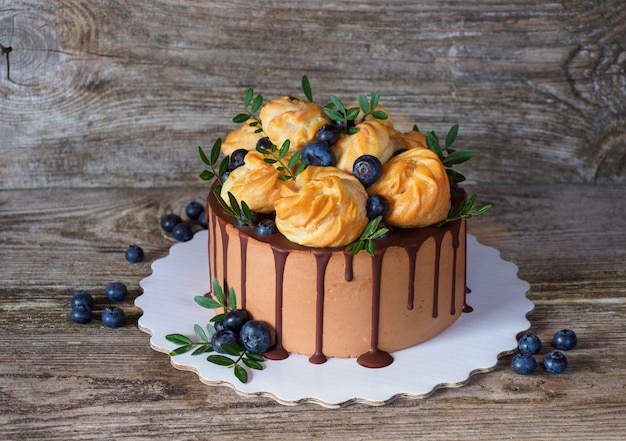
column 235, row 319
column 134, row 254
column 223, row 337
column 113, row 317
column 116, row 291
column 376, row 205
column 193, row 210
column 182, row 232
column 524, row 364
column 329, row 133
column 169, row 221
column 256, row 336
column 82, row 298
column 81, row 314
column 529, row 343
column 202, row 220
column 565, row 340
column 266, row 227
column 555, row 362
column 318, row 153
column 237, row 159
column 367, row 169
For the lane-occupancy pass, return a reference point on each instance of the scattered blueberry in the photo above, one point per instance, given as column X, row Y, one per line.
column 529, row 344
column 264, row 143
column 182, row 232
column 266, row 227
column 318, row 153
column 193, row 209
column 237, row 159
column 256, row 336
column 524, row 364
column 329, row 133
column 367, row 169
column 81, row 313
column 82, row 298
column 116, row 291
column 555, row 362
column 113, row 317
column 202, row 220
column 169, row 221
column 225, row 336
column 134, row 254
column 235, row 319
column 376, row 205
column 565, row 340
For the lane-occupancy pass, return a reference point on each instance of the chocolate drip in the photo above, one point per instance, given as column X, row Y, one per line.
column 213, row 228
column 222, row 224
column 412, row 253
column 321, row 260
column 438, row 240
column 278, row 352
column 243, row 249
column 349, row 265
column 455, row 244
column 375, row 358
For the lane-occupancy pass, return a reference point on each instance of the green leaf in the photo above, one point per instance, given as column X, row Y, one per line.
column 207, row 302
column 200, row 333
column 452, row 133
column 221, row 360
column 433, row 143
column 256, row 103
column 364, row 104
column 248, row 98
column 180, row 350
column 232, row 349
column 300, row 168
column 254, row 356
column 178, row 339
column 207, row 175
column 217, row 318
column 210, row 329
column 333, row 114
column 375, row 100
column 294, row 159
column 241, row 374
column 252, row 364
column 241, row 118
column 201, row 350
column 284, row 149
column 234, row 204
column 458, row 157
column 203, row 156
column 352, row 113
column 482, row 209
column 454, row 176
column 338, row 104
column 232, row 298
column 379, row 114
column 215, row 150
column 415, row 128
column 306, row 88
column 218, row 292
column 369, row 247
column 223, row 168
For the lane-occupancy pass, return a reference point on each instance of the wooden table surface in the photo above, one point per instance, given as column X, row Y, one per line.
column 102, row 106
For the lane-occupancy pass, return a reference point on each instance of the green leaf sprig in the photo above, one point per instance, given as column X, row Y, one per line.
column 241, row 212
column 464, row 210
column 448, row 156
column 306, row 88
column 250, row 359
column 292, row 168
column 337, row 111
column 211, row 160
column 252, row 104
column 366, row 240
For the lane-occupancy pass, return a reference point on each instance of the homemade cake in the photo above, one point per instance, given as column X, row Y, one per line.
column 324, row 295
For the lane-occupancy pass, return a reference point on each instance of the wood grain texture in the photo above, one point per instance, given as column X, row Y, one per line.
column 62, row 381
column 117, row 94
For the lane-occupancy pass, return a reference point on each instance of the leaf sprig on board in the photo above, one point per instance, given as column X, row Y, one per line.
column 447, row 155
column 292, row 168
column 366, row 240
column 250, row 359
column 464, row 210
column 252, row 104
column 211, row 160
column 338, row 112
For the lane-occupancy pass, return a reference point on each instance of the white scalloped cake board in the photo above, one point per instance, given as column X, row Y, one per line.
column 471, row 345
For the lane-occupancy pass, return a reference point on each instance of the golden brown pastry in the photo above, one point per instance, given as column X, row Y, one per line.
column 295, row 120
column 408, row 140
column 256, row 182
column 325, row 208
column 242, row 138
column 417, row 188
column 371, row 138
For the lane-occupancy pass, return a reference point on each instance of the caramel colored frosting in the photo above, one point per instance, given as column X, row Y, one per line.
column 256, row 182
column 416, row 186
column 325, row 208
column 371, row 138
column 245, row 137
column 298, row 121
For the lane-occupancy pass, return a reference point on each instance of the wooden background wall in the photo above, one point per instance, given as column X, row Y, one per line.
column 120, row 93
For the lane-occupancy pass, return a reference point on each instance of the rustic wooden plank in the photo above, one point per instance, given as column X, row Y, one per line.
column 61, row 381
column 120, row 94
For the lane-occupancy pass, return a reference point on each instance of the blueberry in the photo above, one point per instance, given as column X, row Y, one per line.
column 219, row 325
column 116, row 291
column 237, row 159
column 182, row 232
column 202, row 220
column 376, row 205
column 225, row 176
column 256, row 336
column 367, row 169
column 555, row 362
column 134, row 254
column 82, row 298
column 81, row 313
column 169, row 221
column 266, row 227
column 264, row 143
column 113, row 317
column 193, row 210
column 235, row 319
column 524, row 364
column 389, row 228
column 255, row 218
column 225, row 336
column 529, row 344
column 343, row 127
column 565, row 340
column 329, row 133
column 318, row 153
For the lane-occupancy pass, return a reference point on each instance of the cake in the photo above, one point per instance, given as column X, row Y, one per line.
column 339, row 276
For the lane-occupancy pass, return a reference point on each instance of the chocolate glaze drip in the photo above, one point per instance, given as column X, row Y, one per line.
column 321, row 260
column 222, row 225
column 349, row 265
column 412, row 253
column 438, row 240
column 213, row 228
column 278, row 352
column 455, row 244
column 243, row 249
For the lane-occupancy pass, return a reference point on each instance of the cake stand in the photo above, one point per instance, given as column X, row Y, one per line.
column 472, row 345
